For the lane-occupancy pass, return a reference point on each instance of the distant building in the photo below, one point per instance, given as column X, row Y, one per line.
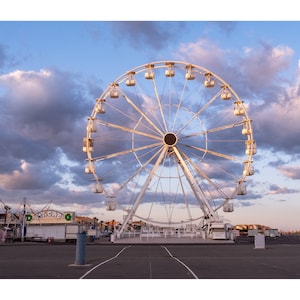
column 47, row 224
column 254, row 229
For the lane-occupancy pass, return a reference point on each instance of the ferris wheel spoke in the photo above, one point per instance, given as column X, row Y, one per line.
column 144, row 188
column 141, row 113
column 120, row 153
column 216, row 129
column 159, row 105
column 177, row 192
column 141, row 168
column 183, row 191
column 129, row 117
column 159, row 187
column 198, row 192
column 203, row 175
column 214, row 153
column 201, row 110
column 179, row 105
column 157, row 120
column 123, row 128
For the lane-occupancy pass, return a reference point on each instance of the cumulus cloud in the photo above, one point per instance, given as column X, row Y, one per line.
column 147, row 35
column 276, row 121
column 250, row 70
column 292, row 172
column 29, row 176
column 43, row 106
column 42, row 116
column 261, row 66
column 256, row 73
column 276, row 189
column 204, row 52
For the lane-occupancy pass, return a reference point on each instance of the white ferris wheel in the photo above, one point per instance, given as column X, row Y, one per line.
column 170, row 143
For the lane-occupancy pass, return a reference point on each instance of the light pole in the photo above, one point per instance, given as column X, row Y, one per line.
column 23, row 220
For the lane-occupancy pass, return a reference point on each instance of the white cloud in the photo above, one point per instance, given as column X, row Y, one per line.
column 261, row 65
column 292, row 172
column 275, row 189
column 28, row 177
column 42, row 112
column 203, row 52
column 277, row 121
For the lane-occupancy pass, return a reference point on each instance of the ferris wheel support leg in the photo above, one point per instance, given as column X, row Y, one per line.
column 204, row 205
column 143, row 191
column 205, row 227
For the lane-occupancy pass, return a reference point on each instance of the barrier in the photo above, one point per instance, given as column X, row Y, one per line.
column 80, row 248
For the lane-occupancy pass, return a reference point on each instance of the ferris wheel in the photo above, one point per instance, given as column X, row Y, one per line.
column 169, row 143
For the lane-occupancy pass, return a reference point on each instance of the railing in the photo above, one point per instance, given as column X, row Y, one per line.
column 162, row 233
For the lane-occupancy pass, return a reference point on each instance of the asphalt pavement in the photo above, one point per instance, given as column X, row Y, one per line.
column 280, row 259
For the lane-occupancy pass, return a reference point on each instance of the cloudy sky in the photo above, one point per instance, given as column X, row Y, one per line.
column 51, row 72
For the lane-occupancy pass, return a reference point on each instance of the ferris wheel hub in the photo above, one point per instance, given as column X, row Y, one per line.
column 170, row 139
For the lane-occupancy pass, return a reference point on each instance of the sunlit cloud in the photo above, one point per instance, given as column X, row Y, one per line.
column 292, row 172
column 275, row 189
column 203, row 52
column 28, row 177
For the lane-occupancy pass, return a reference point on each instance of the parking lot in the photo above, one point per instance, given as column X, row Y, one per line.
column 280, row 259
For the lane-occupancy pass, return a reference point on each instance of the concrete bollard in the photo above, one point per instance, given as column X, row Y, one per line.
column 259, row 241
column 80, row 248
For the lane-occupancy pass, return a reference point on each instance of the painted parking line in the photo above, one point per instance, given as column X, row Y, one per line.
column 181, row 262
column 104, row 262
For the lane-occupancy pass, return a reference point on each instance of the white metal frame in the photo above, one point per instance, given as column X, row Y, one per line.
column 171, row 124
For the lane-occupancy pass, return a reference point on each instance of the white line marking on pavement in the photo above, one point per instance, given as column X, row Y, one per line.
column 181, row 262
column 104, row 262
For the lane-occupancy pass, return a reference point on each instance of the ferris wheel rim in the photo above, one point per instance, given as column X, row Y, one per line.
column 171, row 136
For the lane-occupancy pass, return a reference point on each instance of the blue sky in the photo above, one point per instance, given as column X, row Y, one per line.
column 52, row 71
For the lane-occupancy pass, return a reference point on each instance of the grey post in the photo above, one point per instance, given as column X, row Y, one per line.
column 80, row 248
